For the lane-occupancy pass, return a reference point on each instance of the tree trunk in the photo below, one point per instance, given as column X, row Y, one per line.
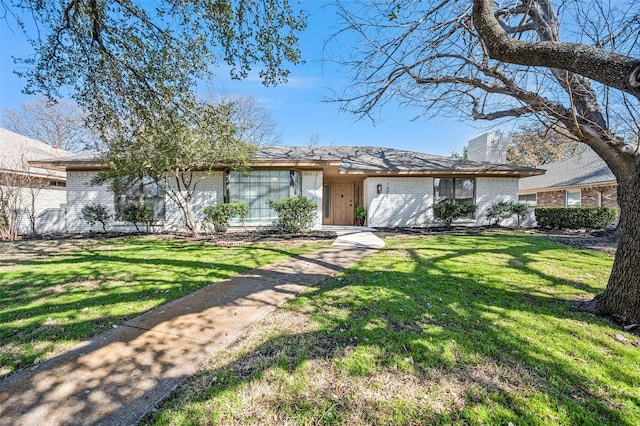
column 621, row 298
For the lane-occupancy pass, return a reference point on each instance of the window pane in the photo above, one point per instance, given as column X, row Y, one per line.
column 259, row 186
column 573, row 198
column 135, row 191
column 443, row 189
column 528, row 199
column 325, row 199
column 464, row 189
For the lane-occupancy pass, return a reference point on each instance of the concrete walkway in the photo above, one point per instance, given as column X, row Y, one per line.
column 117, row 377
column 355, row 236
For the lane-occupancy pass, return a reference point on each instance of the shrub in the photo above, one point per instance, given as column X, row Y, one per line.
column 218, row 215
column 575, row 217
column 295, row 214
column 503, row 210
column 520, row 210
column 134, row 213
column 499, row 211
column 95, row 213
column 449, row 210
column 360, row 215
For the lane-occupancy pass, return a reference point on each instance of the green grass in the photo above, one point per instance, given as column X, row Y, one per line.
column 459, row 329
column 54, row 294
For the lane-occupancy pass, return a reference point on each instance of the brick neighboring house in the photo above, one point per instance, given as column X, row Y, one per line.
column 398, row 188
column 40, row 192
column 584, row 180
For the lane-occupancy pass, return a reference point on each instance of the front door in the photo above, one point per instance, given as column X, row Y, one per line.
column 342, row 201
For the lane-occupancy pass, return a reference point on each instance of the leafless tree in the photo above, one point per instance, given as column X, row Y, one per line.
column 59, row 124
column 253, row 123
column 19, row 190
column 572, row 65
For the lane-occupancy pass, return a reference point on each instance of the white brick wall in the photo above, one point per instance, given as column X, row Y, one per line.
column 48, row 202
column 491, row 147
column 209, row 189
column 312, row 188
column 404, row 201
column 490, row 190
column 408, row 201
column 79, row 194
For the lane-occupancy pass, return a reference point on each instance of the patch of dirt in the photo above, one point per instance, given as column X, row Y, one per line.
column 604, row 241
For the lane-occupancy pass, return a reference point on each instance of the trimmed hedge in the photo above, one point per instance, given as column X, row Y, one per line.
column 575, row 217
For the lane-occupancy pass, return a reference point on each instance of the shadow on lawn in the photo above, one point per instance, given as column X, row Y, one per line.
column 69, row 296
column 405, row 303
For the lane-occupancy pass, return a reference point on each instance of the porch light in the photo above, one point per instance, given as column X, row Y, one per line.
column 379, row 188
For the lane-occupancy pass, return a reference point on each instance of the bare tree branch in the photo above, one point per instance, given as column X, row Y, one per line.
column 612, row 69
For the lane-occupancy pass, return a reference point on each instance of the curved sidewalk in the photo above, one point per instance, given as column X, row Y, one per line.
column 119, row 376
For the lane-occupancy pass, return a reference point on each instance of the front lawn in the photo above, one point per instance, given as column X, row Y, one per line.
column 458, row 329
column 54, row 294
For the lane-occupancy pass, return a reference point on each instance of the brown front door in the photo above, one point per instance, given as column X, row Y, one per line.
column 342, row 201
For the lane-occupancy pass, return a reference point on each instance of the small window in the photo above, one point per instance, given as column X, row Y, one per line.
column 326, row 200
column 57, row 183
column 574, row 198
column 528, row 199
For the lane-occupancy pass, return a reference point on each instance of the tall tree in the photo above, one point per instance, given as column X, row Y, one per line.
column 178, row 150
column 535, row 145
column 135, row 67
column 59, row 124
column 569, row 64
column 122, row 59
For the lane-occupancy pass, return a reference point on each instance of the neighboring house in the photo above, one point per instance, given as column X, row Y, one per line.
column 37, row 195
column 398, row 188
column 584, row 180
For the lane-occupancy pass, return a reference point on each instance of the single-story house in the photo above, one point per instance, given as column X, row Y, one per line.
column 398, row 188
column 38, row 194
column 584, row 180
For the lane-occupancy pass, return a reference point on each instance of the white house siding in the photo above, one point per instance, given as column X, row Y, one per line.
column 404, row 201
column 408, row 201
column 209, row 190
column 49, row 209
column 312, row 188
column 79, row 194
column 490, row 190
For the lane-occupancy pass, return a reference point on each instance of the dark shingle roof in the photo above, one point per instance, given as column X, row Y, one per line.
column 583, row 170
column 350, row 158
column 371, row 158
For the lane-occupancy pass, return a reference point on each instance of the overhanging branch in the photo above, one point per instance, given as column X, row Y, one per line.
column 611, row 69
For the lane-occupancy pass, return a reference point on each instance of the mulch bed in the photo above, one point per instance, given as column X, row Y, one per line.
column 604, row 241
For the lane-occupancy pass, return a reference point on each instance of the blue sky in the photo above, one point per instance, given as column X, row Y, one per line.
column 298, row 107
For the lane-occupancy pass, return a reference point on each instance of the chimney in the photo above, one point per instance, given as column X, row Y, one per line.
column 489, row 147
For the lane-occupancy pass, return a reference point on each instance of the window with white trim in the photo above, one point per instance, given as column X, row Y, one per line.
column 530, row 200
column 574, row 198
